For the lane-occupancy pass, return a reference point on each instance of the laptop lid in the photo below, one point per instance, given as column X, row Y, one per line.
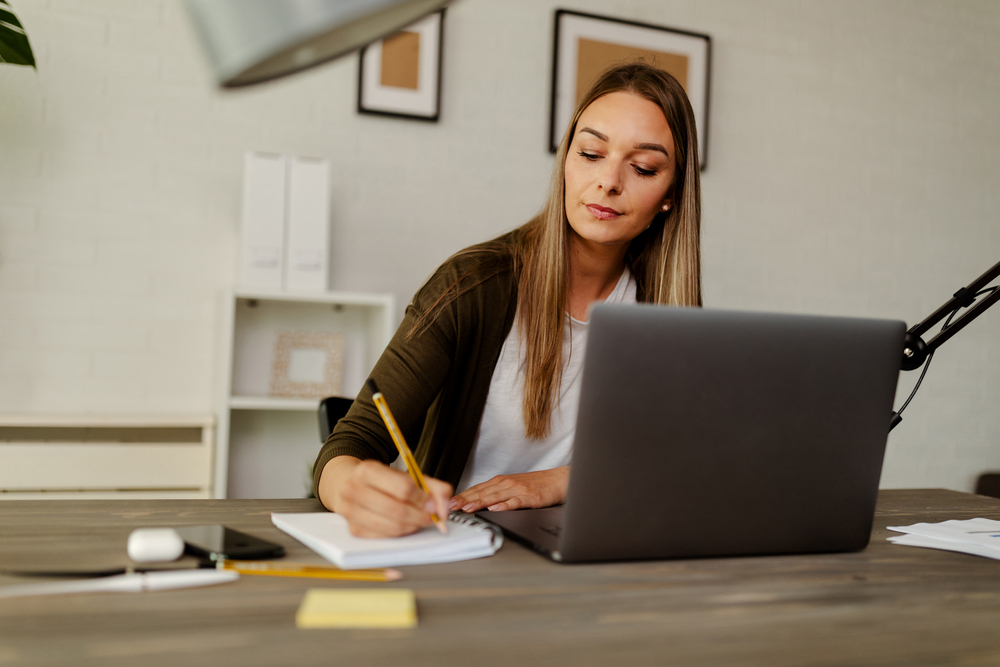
column 718, row 433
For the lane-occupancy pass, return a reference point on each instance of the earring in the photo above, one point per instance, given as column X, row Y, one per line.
column 666, row 207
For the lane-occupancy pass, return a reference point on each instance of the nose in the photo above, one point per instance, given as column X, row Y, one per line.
column 610, row 178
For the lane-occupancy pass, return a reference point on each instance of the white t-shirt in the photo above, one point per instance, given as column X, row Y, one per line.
column 501, row 447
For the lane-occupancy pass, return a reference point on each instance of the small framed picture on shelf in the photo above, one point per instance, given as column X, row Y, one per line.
column 307, row 364
column 586, row 45
column 400, row 75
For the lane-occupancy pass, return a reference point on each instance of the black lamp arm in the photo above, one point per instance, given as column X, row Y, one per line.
column 915, row 350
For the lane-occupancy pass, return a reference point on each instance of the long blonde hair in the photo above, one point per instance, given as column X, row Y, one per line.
column 665, row 259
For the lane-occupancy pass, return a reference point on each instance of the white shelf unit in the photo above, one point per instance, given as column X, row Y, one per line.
column 267, row 444
column 62, row 456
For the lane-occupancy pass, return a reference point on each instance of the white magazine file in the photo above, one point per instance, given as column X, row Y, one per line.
column 308, row 228
column 262, row 238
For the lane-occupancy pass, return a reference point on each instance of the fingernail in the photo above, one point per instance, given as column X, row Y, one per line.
column 452, row 504
column 493, row 508
column 468, row 508
column 429, row 507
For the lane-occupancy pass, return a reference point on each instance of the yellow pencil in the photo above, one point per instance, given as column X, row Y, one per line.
column 256, row 567
column 404, row 450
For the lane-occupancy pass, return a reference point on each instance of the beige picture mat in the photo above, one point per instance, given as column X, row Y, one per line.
column 401, row 60
column 594, row 56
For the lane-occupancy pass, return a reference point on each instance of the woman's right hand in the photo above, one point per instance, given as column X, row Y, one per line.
column 378, row 501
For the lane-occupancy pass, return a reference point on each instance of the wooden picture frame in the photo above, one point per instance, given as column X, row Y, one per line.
column 586, row 44
column 400, row 75
column 307, row 364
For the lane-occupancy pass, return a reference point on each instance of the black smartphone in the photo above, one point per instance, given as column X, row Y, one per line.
column 221, row 543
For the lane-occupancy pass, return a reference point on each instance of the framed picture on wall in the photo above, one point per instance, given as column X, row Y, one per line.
column 400, row 75
column 585, row 45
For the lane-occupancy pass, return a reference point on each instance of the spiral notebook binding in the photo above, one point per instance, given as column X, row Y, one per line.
column 473, row 520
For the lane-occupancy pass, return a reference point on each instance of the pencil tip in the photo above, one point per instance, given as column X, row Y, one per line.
column 370, row 383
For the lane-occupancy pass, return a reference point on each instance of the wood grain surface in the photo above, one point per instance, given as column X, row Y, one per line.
column 886, row 605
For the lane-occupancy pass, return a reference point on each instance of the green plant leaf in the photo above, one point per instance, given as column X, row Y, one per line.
column 14, row 46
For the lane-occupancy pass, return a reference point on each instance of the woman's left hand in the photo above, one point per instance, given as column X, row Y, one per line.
column 510, row 492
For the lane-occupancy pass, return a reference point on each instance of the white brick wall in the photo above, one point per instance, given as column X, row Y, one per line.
column 853, row 170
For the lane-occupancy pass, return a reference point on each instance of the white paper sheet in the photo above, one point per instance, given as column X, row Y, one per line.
column 978, row 537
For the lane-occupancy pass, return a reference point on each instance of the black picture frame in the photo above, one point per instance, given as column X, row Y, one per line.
column 422, row 103
column 570, row 26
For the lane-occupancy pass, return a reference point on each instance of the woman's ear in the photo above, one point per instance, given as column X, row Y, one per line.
column 668, row 199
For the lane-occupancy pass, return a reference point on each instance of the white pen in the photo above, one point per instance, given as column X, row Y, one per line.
column 125, row 583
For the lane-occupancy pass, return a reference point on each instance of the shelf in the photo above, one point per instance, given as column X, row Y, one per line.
column 259, row 321
column 342, row 298
column 273, row 403
column 35, row 420
column 267, row 444
column 125, row 456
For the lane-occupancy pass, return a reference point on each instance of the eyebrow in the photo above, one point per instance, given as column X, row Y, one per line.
column 652, row 147
column 642, row 147
column 599, row 135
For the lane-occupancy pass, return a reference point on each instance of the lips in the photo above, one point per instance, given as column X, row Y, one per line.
column 602, row 212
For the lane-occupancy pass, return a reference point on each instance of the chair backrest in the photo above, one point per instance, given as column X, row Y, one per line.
column 330, row 411
column 988, row 484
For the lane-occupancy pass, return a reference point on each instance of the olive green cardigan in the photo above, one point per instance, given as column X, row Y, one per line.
column 436, row 382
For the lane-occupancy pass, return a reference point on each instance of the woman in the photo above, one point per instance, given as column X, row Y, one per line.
column 483, row 373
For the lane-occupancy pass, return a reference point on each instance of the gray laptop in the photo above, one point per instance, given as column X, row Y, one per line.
column 717, row 433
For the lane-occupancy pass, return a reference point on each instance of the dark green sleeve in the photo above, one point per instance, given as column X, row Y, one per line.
column 410, row 374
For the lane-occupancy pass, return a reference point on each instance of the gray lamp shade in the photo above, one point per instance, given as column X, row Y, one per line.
column 249, row 41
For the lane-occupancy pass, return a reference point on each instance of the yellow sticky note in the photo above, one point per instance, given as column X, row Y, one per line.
column 357, row 608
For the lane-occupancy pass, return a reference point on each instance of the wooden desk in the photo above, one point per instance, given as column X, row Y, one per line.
column 887, row 605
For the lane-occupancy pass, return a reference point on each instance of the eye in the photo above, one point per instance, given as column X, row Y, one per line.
column 590, row 157
column 644, row 172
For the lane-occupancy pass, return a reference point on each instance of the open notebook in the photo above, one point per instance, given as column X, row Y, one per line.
column 327, row 534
